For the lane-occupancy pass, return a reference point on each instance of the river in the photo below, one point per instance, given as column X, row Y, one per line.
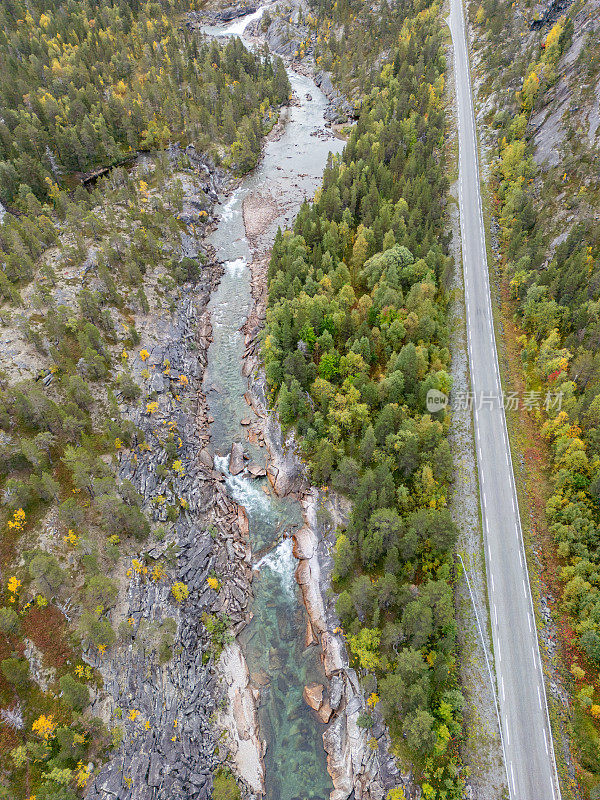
column 274, row 641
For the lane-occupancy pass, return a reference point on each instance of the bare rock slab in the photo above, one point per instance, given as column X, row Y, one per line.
column 313, row 695
column 236, row 459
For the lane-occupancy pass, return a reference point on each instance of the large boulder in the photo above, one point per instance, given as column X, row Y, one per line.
column 313, row 695
column 236, row 459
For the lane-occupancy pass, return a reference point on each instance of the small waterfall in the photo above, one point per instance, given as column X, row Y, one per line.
column 227, row 210
column 236, row 267
column 282, row 562
column 238, row 27
column 247, row 492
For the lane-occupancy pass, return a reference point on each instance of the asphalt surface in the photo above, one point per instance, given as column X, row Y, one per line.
column 527, row 741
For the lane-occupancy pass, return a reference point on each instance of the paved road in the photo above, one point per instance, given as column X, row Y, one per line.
column 527, row 743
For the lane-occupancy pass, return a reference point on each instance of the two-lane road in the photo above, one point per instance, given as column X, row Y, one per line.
column 527, row 740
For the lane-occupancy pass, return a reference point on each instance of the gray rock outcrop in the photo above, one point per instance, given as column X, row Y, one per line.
column 165, row 710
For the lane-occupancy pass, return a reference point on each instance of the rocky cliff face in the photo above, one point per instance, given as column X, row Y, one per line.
column 284, row 38
column 570, row 106
column 175, row 751
column 566, row 118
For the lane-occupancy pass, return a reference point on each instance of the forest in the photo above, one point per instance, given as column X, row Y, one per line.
column 84, row 269
column 356, row 335
column 85, row 84
column 554, row 285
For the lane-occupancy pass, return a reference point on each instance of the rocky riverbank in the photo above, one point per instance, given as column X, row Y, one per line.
column 358, row 760
column 355, row 763
column 157, row 756
column 162, row 710
column 228, row 14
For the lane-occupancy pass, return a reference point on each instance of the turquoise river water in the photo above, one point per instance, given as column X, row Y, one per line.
column 273, row 643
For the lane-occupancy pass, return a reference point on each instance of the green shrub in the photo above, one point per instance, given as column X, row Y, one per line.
column 224, row 785
column 186, row 270
column 46, row 573
column 99, row 591
column 75, row 694
column 9, row 620
column 16, row 671
column 97, row 631
column 588, row 741
column 70, row 751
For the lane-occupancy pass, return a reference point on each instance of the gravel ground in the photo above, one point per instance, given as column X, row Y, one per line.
column 260, row 210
